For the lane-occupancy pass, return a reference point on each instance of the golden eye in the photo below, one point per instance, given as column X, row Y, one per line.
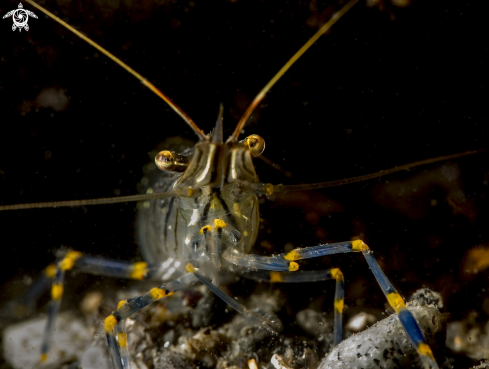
column 255, row 143
column 168, row 161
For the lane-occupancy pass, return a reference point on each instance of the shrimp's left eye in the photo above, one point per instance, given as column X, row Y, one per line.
column 255, row 143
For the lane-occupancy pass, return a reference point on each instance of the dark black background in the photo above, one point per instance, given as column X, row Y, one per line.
column 387, row 86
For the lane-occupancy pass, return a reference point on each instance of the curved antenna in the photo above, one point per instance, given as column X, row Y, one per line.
column 144, row 81
column 286, row 67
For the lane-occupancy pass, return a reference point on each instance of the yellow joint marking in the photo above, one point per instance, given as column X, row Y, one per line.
column 43, row 358
column 268, row 188
column 218, row 223
column 121, row 304
column 359, row 245
column 293, row 255
column 139, row 270
column 50, row 271
column 190, row 192
column 69, row 260
column 425, row 350
column 396, row 301
column 157, row 293
column 189, row 268
column 122, row 339
column 337, row 274
column 109, row 323
column 339, row 305
column 276, row 277
column 66, row 264
column 205, row 228
column 57, row 291
column 170, row 293
column 293, row 266
column 74, row 255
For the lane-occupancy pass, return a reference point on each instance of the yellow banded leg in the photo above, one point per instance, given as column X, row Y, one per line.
column 339, row 304
column 90, row 265
column 121, row 337
column 114, row 331
column 407, row 320
column 56, row 296
column 116, row 268
column 110, row 327
column 277, row 263
column 57, row 289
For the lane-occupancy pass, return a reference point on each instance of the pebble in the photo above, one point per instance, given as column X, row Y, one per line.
column 22, row 342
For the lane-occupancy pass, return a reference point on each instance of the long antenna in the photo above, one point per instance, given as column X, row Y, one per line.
column 286, row 67
column 264, row 188
column 144, row 81
column 382, row 173
column 185, row 192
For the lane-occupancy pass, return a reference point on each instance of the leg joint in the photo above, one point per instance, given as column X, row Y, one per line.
column 337, row 274
column 359, row 245
column 69, row 260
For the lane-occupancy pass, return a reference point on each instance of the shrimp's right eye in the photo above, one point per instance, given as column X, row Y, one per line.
column 170, row 161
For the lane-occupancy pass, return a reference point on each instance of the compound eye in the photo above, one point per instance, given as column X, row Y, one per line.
column 255, row 143
column 168, row 161
column 165, row 160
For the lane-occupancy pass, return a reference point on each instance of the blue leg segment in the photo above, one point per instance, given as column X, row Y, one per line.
column 56, row 294
column 407, row 320
column 74, row 260
column 405, row 316
column 339, row 304
column 116, row 336
column 276, row 263
column 395, row 300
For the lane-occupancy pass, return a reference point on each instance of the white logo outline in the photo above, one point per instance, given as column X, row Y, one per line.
column 20, row 17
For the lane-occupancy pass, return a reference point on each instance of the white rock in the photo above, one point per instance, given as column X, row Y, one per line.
column 95, row 358
column 22, row 342
column 278, row 362
column 385, row 345
column 360, row 321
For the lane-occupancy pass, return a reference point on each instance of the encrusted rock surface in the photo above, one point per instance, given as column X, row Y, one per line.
column 385, row 344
